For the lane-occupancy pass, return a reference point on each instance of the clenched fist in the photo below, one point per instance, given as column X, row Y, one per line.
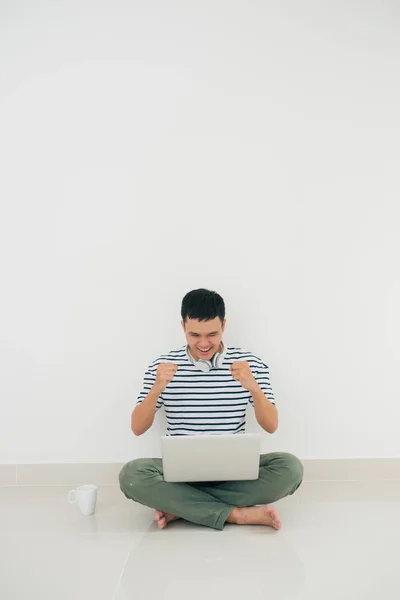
column 165, row 374
column 241, row 372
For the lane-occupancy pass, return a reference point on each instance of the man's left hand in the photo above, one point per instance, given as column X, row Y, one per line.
column 241, row 371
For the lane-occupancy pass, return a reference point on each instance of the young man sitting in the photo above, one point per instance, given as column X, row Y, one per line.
column 211, row 401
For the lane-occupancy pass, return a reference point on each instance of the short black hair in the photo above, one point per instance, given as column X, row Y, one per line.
column 203, row 305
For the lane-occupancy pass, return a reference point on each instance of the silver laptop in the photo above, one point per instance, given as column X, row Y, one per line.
column 225, row 457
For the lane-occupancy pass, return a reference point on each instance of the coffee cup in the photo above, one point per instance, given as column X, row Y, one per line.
column 86, row 496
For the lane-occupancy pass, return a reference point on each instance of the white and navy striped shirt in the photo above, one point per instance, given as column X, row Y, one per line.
column 211, row 402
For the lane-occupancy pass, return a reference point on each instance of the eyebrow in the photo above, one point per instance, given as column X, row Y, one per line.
column 195, row 332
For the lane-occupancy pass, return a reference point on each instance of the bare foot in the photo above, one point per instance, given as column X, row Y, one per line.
column 255, row 515
column 163, row 518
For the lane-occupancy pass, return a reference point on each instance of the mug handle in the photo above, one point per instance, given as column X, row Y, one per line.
column 69, row 496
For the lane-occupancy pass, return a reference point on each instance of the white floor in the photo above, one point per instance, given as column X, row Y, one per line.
column 339, row 541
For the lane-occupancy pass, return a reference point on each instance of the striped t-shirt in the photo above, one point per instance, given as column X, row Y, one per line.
column 197, row 402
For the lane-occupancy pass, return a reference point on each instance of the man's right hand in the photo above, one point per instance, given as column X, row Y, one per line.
column 165, row 374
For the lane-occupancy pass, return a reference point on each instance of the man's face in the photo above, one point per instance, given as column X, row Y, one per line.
column 204, row 335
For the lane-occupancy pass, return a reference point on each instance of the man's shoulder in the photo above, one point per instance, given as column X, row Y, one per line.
column 236, row 353
column 176, row 354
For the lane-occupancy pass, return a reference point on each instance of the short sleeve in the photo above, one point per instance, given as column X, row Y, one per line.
column 261, row 375
column 149, row 380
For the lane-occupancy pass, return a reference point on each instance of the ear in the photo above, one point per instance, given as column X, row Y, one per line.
column 183, row 325
column 223, row 325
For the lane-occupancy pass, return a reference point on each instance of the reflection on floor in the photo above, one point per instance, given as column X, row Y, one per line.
column 339, row 541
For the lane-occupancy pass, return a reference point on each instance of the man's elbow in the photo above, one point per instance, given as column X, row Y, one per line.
column 137, row 430
column 137, row 427
column 272, row 428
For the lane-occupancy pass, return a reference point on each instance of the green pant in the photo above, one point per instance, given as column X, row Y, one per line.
column 210, row 503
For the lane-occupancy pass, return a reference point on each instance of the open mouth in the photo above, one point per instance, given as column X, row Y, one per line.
column 204, row 352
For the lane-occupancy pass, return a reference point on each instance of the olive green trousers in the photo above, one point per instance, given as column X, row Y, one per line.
column 210, row 503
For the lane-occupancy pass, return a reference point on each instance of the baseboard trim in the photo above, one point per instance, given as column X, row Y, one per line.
column 324, row 469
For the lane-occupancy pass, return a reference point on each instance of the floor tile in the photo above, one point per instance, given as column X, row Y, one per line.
column 61, row 568
column 46, row 509
column 339, row 541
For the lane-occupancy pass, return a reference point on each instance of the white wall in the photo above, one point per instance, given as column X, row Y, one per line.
column 149, row 148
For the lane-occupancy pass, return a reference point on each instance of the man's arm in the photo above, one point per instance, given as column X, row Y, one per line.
column 266, row 412
column 143, row 415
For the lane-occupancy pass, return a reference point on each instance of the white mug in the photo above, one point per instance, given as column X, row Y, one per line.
column 86, row 495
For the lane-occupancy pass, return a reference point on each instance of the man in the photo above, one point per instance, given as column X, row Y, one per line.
column 209, row 400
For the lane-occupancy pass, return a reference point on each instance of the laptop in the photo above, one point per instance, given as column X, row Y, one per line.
column 225, row 457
